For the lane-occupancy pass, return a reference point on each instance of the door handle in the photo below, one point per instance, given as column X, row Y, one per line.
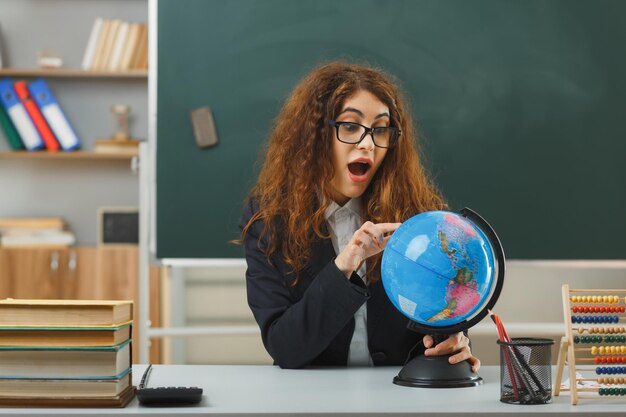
column 72, row 261
column 54, row 261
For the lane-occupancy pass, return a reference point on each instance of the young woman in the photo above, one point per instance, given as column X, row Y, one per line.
column 341, row 173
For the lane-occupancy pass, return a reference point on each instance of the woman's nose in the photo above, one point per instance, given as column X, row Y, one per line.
column 367, row 142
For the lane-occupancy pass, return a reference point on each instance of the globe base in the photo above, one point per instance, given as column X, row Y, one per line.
column 436, row 372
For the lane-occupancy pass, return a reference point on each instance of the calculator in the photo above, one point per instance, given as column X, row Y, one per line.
column 166, row 396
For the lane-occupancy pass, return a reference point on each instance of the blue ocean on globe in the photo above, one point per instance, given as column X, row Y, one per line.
column 438, row 268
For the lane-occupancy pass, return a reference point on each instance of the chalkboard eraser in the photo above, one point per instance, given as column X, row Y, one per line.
column 204, row 127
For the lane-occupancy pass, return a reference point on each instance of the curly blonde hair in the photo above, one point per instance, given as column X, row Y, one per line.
column 298, row 169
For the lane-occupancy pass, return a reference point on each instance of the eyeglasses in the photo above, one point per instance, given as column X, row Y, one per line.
column 351, row 132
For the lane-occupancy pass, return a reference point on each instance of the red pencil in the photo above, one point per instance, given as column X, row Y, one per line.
column 507, row 358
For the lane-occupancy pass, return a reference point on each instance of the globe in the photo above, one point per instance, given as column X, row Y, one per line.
column 443, row 271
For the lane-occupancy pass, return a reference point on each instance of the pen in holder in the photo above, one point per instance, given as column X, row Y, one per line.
column 525, row 368
column 525, row 371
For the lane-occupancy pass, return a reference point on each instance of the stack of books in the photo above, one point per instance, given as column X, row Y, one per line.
column 32, row 119
column 116, row 45
column 50, row 232
column 69, row 353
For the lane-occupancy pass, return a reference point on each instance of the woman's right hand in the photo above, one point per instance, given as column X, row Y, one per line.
column 369, row 240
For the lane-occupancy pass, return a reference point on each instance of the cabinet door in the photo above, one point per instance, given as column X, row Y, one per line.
column 78, row 274
column 31, row 273
column 117, row 278
column 116, row 273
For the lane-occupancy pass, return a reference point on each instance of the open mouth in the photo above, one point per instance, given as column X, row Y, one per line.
column 359, row 168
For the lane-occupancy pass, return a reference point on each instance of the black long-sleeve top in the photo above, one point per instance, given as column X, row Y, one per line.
column 312, row 322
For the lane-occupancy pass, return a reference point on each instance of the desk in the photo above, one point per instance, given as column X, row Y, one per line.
column 248, row 390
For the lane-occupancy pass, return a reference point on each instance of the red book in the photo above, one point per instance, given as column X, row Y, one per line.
column 51, row 142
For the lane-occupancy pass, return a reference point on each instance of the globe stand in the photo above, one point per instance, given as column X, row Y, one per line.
column 437, row 372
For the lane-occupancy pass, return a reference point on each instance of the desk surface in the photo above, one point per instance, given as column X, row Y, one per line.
column 247, row 390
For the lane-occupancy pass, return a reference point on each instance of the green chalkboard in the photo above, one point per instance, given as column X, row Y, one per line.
column 521, row 105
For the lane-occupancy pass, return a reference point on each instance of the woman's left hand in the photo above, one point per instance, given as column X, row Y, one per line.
column 456, row 344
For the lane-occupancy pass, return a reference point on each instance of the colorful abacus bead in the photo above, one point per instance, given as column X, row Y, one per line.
column 611, row 391
column 613, row 339
column 613, row 359
column 610, row 370
column 595, row 319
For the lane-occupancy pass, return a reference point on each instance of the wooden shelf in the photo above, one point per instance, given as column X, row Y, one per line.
column 71, row 73
column 84, row 155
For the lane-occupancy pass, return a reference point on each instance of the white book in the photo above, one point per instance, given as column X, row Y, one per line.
column 118, row 47
column 108, row 45
column 38, row 237
column 130, row 46
column 90, row 50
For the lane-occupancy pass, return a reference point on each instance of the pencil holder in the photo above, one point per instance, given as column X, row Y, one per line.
column 525, row 371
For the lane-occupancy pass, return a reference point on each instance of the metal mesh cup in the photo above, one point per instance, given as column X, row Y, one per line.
column 525, row 371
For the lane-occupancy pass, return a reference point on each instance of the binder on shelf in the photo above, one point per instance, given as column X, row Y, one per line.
column 55, row 117
column 92, row 43
column 9, row 131
column 35, row 115
column 16, row 111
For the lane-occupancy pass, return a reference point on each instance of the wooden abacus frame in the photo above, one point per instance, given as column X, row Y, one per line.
column 568, row 351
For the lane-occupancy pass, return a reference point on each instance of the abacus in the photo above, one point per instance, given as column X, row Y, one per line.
column 594, row 344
